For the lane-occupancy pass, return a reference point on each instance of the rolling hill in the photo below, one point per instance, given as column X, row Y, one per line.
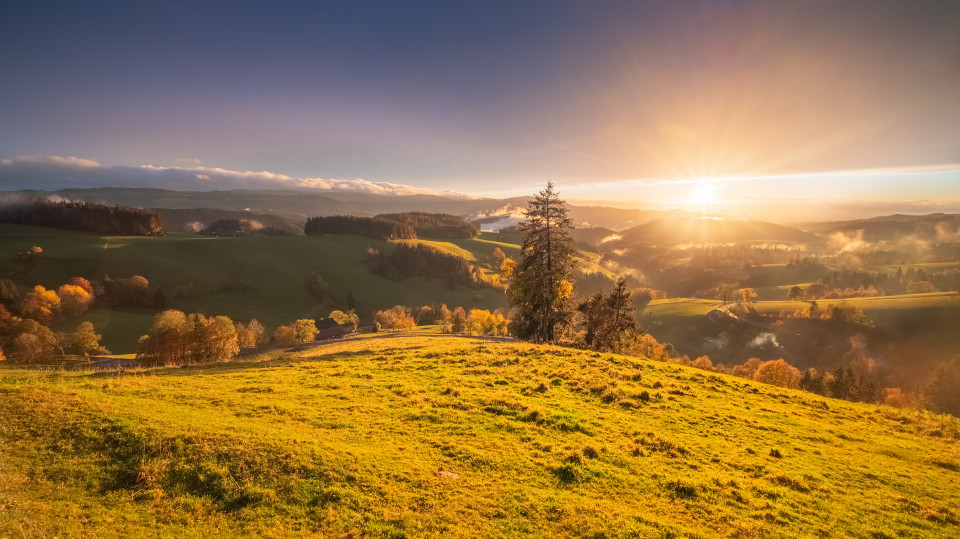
column 250, row 277
column 439, row 436
column 299, row 205
column 709, row 230
column 936, row 227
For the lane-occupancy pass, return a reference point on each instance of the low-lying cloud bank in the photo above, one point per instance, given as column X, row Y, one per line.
column 51, row 172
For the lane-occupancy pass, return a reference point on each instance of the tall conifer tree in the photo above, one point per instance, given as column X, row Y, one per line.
column 541, row 287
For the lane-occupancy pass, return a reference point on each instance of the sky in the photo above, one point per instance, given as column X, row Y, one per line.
column 755, row 108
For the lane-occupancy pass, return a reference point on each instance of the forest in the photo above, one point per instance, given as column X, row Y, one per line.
column 84, row 217
column 395, row 226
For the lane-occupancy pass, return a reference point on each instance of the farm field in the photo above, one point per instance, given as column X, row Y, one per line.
column 429, row 435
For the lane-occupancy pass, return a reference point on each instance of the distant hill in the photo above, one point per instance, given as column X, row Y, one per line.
column 299, row 205
column 710, row 230
column 938, row 227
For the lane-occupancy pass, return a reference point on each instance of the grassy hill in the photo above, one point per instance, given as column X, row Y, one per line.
column 252, row 277
column 709, row 230
column 419, row 435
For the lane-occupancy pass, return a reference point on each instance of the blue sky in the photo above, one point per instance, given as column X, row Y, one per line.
column 613, row 101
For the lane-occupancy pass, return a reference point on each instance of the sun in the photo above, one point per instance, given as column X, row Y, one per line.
column 704, row 194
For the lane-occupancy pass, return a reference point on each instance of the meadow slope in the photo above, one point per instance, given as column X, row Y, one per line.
column 259, row 277
column 430, row 435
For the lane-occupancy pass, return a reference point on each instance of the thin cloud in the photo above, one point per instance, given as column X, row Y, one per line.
column 60, row 172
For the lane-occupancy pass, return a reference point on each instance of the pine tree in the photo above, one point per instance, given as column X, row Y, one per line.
column 608, row 318
column 624, row 314
column 541, row 286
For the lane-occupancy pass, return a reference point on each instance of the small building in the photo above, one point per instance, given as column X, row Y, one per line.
column 328, row 328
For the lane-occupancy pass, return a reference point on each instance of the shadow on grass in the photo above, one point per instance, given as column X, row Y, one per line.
column 285, row 357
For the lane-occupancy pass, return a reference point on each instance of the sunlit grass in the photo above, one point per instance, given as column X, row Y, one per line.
column 407, row 434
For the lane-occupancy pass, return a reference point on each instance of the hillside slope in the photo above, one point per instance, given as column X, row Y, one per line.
column 417, row 435
column 709, row 230
column 252, row 277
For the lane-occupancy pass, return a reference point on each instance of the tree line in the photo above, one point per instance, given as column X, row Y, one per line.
column 394, row 226
column 233, row 228
column 85, row 217
column 176, row 338
column 406, row 260
column 457, row 321
column 26, row 321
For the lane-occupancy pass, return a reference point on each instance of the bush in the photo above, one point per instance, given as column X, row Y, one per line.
column 284, row 335
column 778, row 373
column 178, row 339
column 894, row 396
column 304, row 330
column 397, row 318
column 703, row 363
column 747, row 369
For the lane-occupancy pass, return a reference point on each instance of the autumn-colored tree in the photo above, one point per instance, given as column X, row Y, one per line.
column 748, row 295
column 349, row 317
column 779, row 373
column 284, row 335
column 6, row 319
column 645, row 346
column 748, row 368
column 82, row 283
column 86, row 341
column 894, row 396
column 27, row 341
column 399, row 317
column 704, row 363
column 168, row 339
column 425, row 316
column 27, row 348
column 304, row 330
column 40, row 304
column 74, row 299
column 250, row 334
column 506, row 269
column 444, row 318
column 220, row 335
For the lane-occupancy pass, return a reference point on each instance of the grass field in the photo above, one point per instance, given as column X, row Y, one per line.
column 879, row 308
column 419, row 435
column 679, row 307
column 275, row 268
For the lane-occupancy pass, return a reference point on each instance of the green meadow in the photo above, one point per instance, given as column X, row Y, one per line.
column 251, row 277
column 409, row 435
